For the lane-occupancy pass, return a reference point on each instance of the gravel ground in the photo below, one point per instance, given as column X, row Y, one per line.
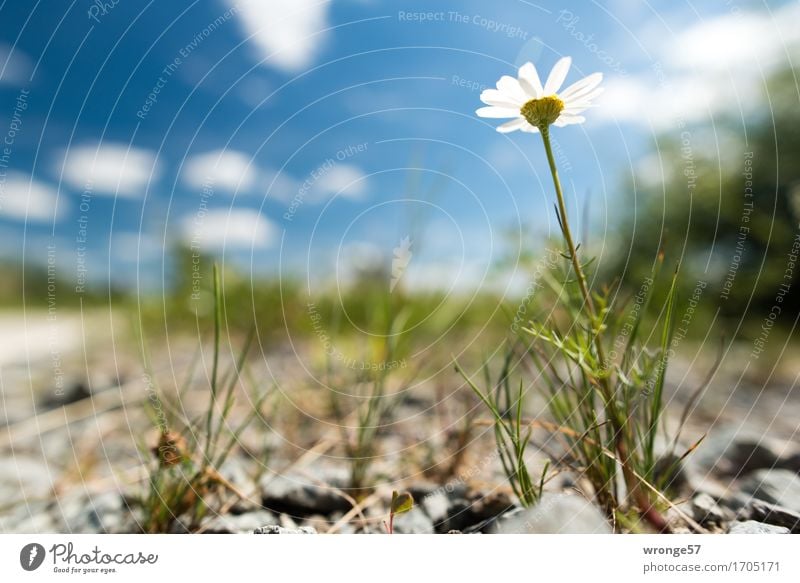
column 75, row 450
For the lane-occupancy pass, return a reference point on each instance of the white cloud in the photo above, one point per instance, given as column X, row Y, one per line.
column 280, row 186
column 341, row 180
column 711, row 67
column 324, row 182
column 226, row 169
column 109, row 169
column 641, row 101
column 15, row 66
column 234, row 228
column 283, row 32
column 21, row 197
column 735, row 42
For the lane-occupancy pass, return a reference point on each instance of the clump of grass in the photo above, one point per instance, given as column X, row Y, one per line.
column 184, row 483
column 374, row 409
column 512, row 433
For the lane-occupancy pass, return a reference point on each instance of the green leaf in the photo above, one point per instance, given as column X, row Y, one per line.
column 401, row 502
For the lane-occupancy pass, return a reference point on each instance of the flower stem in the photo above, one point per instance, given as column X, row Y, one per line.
column 618, row 424
column 572, row 249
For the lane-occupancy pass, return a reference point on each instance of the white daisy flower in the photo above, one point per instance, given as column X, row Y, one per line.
column 535, row 106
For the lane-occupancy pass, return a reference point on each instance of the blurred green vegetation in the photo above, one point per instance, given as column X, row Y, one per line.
column 728, row 210
column 364, row 311
column 32, row 286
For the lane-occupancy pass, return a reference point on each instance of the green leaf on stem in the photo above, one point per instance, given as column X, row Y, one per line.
column 401, row 502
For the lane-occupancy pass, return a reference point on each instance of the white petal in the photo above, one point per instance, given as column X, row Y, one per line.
column 581, row 87
column 579, row 103
column 510, row 126
column 573, row 110
column 497, row 112
column 511, row 88
column 583, row 101
column 500, row 99
column 530, row 129
column 557, row 76
column 567, row 120
column 529, row 80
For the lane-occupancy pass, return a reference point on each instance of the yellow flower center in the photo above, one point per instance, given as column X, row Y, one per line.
column 542, row 112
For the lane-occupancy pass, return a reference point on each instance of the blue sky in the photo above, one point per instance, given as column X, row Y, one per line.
column 308, row 137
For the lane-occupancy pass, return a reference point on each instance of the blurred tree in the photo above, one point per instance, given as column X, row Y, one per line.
column 730, row 217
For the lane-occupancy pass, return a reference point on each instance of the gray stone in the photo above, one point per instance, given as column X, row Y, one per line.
column 34, row 517
column 237, row 524
column 706, row 511
column 75, row 391
column 76, row 512
column 286, row 521
column 41, row 523
column 464, row 511
column 415, row 521
column 556, row 514
column 777, row 486
column 771, row 514
column 23, row 478
column 791, row 462
column 436, row 505
column 676, row 517
column 753, row 527
column 108, row 513
column 453, row 489
column 731, row 451
column 275, row 529
column 298, row 495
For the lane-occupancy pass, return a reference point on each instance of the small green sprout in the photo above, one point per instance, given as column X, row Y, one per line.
column 401, row 502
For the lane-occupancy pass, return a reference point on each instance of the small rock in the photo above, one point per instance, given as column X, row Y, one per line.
column 676, row 517
column 778, row 486
column 299, row 496
column 731, row 452
column 109, row 513
column 753, row 527
column 39, row 523
column 237, row 523
column 556, row 514
column 24, row 477
column 706, row 511
column 77, row 391
column 415, row 521
column 494, row 503
column 436, row 505
column 275, row 529
column 286, row 521
column 771, row 514
column 453, row 489
column 791, row 462
column 465, row 511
